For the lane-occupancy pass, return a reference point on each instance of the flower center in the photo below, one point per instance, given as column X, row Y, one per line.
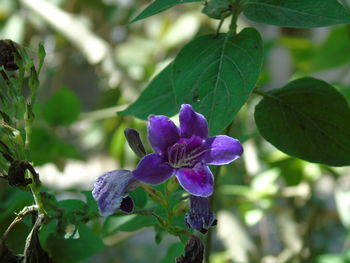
column 185, row 153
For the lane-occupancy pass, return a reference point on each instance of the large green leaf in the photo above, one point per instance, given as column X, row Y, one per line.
column 157, row 98
column 217, row 73
column 297, row 13
column 308, row 119
column 214, row 73
column 159, row 6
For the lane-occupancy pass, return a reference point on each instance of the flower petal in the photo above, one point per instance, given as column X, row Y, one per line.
column 197, row 181
column 200, row 217
column 162, row 133
column 222, row 150
column 152, row 169
column 109, row 189
column 192, row 123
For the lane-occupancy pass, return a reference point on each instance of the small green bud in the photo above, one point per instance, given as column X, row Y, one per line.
column 218, row 9
column 172, row 185
column 180, row 208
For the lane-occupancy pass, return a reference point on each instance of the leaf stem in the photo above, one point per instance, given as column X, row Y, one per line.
column 236, row 10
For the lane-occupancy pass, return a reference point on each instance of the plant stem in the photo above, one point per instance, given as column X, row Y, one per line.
column 35, row 189
column 211, row 202
column 25, row 211
column 236, row 11
column 209, row 233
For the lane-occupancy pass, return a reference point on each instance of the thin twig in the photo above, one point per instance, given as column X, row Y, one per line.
column 25, row 211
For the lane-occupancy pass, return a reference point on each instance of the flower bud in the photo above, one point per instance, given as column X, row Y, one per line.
column 134, row 141
column 8, row 51
column 172, row 185
column 194, row 251
column 16, row 173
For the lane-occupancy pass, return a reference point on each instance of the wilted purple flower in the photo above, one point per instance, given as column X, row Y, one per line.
column 200, row 216
column 185, row 152
column 110, row 189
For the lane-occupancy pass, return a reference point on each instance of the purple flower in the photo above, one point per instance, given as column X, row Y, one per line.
column 110, row 189
column 200, row 216
column 185, row 152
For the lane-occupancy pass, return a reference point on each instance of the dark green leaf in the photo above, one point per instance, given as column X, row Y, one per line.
column 157, row 98
column 217, row 73
column 127, row 223
column 41, row 55
column 159, row 6
column 297, row 13
column 308, row 119
column 73, row 209
column 214, row 73
column 74, row 250
column 62, row 108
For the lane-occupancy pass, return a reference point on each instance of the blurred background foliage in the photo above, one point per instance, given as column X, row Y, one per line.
column 270, row 207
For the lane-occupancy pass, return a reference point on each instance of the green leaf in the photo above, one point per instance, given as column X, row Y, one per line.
column 217, row 73
column 291, row 169
column 297, row 13
column 217, row 9
column 139, row 197
column 174, row 251
column 214, row 73
column 128, row 223
column 53, row 150
column 73, row 211
column 331, row 258
column 159, row 6
column 41, row 55
column 308, row 119
column 335, row 51
column 74, row 250
column 62, row 108
column 157, row 98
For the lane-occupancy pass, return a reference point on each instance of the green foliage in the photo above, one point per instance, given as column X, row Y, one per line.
column 217, row 9
column 140, row 198
column 47, row 147
column 327, row 55
column 76, row 249
column 307, row 119
column 127, row 223
column 158, row 97
column 175, row 250
column 297, row 13
column 159, row 6
column 216, row 74
column 62, row 108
